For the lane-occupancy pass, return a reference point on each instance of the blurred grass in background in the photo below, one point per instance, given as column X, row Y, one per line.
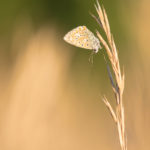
column 50, row 95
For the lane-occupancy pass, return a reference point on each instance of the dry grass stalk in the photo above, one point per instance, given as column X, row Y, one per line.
column 118, row 84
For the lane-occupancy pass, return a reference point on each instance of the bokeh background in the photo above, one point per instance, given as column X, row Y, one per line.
column 50, row 95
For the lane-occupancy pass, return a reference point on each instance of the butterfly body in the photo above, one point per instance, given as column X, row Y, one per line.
column 82, row 37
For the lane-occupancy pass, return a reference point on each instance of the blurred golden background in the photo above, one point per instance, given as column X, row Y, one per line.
column 50, row 95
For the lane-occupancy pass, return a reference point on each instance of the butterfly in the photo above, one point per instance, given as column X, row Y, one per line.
column 82, row 37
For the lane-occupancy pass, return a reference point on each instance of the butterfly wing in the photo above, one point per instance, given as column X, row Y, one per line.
column 80, row 37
